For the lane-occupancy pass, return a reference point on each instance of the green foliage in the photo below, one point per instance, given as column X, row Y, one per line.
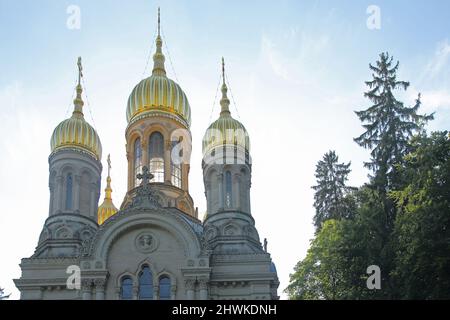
column 422, row 229
column 337, row 260
column 399, row 221
column 331, row 199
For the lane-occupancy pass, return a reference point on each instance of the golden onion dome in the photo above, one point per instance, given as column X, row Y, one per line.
column 158, row 94
column 226, row 130
column 76, row 132
column 107, row 209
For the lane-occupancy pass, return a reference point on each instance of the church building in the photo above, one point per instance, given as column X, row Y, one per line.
column 154, row 247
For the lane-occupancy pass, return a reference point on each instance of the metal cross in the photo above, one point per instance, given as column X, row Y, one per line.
column 80, row 70
column 109, row 164
column 223, row 70
column 159, row 22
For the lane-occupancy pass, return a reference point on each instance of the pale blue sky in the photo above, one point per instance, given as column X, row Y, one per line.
column 296, row 70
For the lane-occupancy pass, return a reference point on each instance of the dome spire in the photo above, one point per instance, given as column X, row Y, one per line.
column 107, row 208
column 108, row 189
column 78, row 102
column 224, row 102
column 158, row 57
column 159, row 21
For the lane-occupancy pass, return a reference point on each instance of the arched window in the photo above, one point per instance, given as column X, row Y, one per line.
column 69, row 190
column 156, row 156
column 176, row 167
column 126, row 288
column 137, row 160
column 228, row 189
column 145, row 284
column 164, row 288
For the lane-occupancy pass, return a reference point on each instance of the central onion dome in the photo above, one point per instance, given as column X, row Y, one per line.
column 75, row 132
column 226, row 130
column 158, row 94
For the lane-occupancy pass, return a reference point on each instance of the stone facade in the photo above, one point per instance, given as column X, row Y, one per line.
column 154, row 247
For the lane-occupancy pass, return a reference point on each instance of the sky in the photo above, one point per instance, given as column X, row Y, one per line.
column 295, row 69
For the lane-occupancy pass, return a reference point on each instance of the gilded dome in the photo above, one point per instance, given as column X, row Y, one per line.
column 226, row 130
column 76, row 133
column 105, row 211
column 158, row 93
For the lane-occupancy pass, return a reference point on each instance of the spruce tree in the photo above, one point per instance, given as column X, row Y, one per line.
column 331, row 189
column 389, row 124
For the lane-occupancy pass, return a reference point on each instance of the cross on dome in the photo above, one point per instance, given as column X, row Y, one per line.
column 109, row 164
column 80, row 70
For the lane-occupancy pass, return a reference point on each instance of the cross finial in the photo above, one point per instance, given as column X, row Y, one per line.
column 159, row 22
column 146, row 176
column 224, row 102
column 80, row 70
column 223, row 70
column 109, row 164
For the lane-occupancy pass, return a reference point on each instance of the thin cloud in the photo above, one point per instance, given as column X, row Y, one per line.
column 438, row 63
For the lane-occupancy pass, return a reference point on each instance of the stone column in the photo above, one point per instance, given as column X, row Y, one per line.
column 220, row 188
column 203, row 285
column 144, row 149
column 135, row 292
column 51, row 186
column 156, row 292
column 59, row 194
column 86, row 288
column 167, row 162
column 237, row 191
column 92, row 205
column 100, row 289
column 130, row 160
column 173, row 292
column 208, row 196
column 76, row 192
column 190, row 287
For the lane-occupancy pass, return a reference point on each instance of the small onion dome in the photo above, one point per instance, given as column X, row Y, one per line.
column 107, row 208
column 158, row 94
column 226, row 130
column 75, row 132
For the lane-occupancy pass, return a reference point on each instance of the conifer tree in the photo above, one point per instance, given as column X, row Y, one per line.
column 331, row 189
column 389, row 124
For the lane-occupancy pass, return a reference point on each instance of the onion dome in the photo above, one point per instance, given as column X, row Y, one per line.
column 76, row 132
column 157, row 94
column 107, row 208
column 226, row 130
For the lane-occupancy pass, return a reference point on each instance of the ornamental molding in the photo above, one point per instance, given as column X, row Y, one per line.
column 157, row 113
column 244, row 257
column 49, row 261
column 189, row 284
column 90, row 246
column 77, row 149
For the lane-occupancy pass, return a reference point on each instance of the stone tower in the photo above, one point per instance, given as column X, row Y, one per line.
column 75, row 172
column 74, row 181
column 229, row 228
column 158, row 136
